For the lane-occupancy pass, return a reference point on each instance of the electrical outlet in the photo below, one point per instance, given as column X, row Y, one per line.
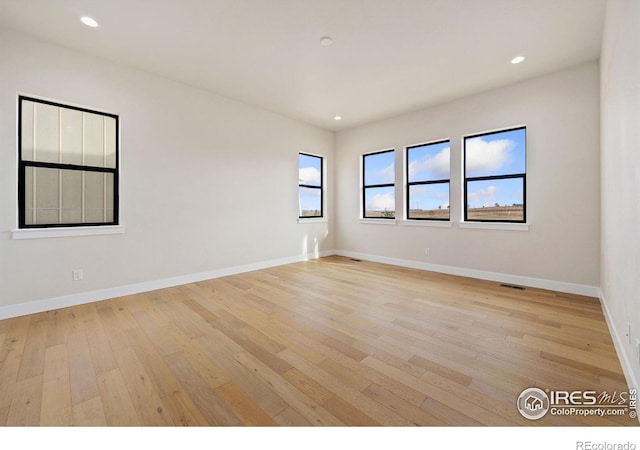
column 77, row 275
column 427, row 251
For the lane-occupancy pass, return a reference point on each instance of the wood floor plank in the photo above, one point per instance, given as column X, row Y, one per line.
column 212, row 408
column 56, row 390
column 84, row 385
column 89, row 413
column 143, row 394
column 26, row 406
column 307, row 408
column 117, row 405
column 241, row 404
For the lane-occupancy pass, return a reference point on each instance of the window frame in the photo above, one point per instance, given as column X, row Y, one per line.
column 23, row 164
column 419, row 183
column 510, row 176
column 310, row 186
column 379, row 185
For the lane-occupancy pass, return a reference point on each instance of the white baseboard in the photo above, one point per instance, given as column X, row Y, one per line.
column 119, row 291
column 559, row 286
column 629, row 373
column 37, row 306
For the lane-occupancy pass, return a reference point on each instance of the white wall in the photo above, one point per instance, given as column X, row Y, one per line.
column 561, row 112
column 206, row 182
column 620, row 162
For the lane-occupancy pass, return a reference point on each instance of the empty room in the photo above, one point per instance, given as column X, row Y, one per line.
column 458, row 249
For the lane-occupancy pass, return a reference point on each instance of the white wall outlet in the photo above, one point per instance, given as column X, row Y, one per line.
column 77, row 275
column 427, row 251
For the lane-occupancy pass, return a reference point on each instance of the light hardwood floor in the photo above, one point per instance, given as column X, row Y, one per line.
column 326, row 342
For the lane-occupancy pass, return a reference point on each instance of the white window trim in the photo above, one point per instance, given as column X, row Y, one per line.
column 41, row 233
column 374, row 221
column 428, row 223
column 313, row 220
column 505, row 226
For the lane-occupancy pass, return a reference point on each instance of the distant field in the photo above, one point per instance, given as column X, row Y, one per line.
column 507, row 213
column 310, row 213
column 382, row 214
column 510, row 213
column 429, row 214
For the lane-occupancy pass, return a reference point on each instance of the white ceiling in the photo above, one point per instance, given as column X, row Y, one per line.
column 388, row 56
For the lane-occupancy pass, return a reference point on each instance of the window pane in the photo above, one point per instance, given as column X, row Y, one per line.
column 501, row 200
column 42, row 191
column 380, row 202
column 309, row 170
column 429, row 201
column 71, row 196
column 46, row 136
column 428, row 162
column 94, row 189
column 71, row 127
column 66, row 196
column 93, row 140
column 379, row 168
column 500, row 153
column 110, row 142
column 310, row 202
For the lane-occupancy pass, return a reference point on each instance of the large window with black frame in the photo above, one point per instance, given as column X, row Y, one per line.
column 378, row 185
column 310, row 188
column 428, row 173
column 495, row 178
column 68, row 165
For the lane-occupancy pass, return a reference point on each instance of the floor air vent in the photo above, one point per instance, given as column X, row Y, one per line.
column 512, row 286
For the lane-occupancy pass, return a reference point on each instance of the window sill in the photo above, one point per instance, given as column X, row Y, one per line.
column 41, row 233
column 496, row 226
column 428, row 223
column 378, row 221
column 313, row 220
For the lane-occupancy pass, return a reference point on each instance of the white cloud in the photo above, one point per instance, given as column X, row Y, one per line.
column 437, row 166
column 485, row 157
column 388, row 174
column 309, row 175
column 382, row 202
column 483, row 197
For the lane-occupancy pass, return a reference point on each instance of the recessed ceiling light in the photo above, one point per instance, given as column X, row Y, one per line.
column 337, row 118
column 89, row 21
column 517, row 60
column 326, row 41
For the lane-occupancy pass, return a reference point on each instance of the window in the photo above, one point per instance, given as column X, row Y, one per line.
column 378, row 188
column 310, row 185
column 428, row 171
column 495, row 176
column 68, row 165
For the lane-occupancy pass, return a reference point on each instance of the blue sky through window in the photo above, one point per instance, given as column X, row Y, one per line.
column 379, row 168
column 429, row 162
column 500, row 153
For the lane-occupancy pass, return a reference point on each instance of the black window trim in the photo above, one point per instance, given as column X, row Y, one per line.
column 523, row 176
column 321, row 187
column 370, row 186
column 22, row 168
column 418, row 183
